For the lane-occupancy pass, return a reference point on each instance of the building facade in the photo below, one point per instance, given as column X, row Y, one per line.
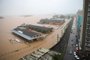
column 86, row 27
column 79, row 17
column 86, row 30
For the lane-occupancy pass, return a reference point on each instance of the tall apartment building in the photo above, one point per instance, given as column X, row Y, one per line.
column 86, row 28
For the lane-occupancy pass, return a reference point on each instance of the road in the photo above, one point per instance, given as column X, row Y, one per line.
column 71, row 43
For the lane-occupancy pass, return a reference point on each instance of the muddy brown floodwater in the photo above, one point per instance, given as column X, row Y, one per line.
column 13, row 50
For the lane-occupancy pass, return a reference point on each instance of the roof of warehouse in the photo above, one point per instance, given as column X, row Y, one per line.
column 26, row 33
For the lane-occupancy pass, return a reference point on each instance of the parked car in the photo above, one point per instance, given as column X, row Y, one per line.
column 76, row 56
column 76, row 45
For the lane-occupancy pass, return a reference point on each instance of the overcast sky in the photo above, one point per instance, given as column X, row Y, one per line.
column 29, row 7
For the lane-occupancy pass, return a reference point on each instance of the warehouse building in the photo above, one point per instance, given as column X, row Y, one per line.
column 31, row 32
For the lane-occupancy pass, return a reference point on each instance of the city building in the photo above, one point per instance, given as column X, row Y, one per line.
column 79, row 20
column 85, row 34
column 86, row 27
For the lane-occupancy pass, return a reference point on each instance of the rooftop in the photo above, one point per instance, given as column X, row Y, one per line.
column 31, row 32
column 52, row 21
column 40, row 54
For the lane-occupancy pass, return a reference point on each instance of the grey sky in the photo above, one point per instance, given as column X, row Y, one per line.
column 29, row 7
